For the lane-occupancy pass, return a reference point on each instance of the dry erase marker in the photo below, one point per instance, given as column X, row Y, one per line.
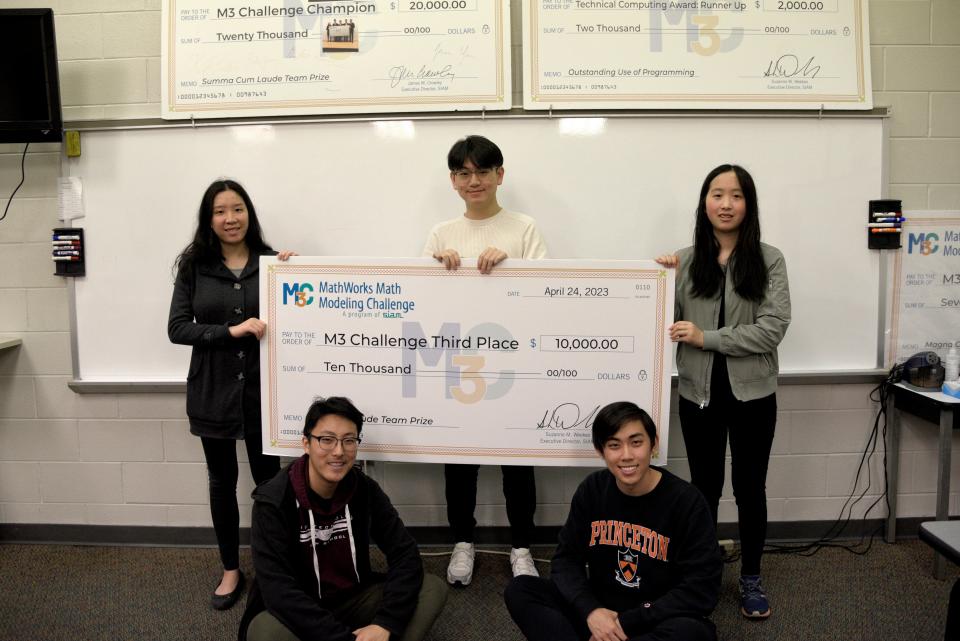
column 67, row 237
column 883, row 219
column 885, row 230
column 69, row 258
column 876, row 225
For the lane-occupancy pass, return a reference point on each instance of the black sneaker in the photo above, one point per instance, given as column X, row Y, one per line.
column 753, row 601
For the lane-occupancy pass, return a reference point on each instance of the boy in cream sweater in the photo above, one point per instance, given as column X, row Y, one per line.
column 487, row 233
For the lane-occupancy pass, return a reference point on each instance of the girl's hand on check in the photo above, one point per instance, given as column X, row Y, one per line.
column 251, row 326
column 668, row 260
column 686, row 332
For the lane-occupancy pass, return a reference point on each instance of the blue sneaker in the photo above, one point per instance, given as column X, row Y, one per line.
column 753, row 601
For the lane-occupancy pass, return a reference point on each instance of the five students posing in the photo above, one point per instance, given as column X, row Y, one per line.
column 647, row 536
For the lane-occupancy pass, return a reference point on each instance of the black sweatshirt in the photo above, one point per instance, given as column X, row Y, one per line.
column 650, row 557
column 284, row 543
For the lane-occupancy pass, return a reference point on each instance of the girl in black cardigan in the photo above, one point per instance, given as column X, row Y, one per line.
column 215, row 309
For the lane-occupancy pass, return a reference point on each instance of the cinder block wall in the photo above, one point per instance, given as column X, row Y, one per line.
column 129, row 459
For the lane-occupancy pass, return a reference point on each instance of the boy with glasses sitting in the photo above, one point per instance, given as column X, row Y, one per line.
column 488, row 233
column 310, row 537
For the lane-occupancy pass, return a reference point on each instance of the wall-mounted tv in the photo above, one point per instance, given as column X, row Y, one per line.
column 29, row 81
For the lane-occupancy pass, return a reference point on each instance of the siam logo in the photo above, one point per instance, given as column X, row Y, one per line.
column 627, row 568
column 301, row 293
column 926, row 243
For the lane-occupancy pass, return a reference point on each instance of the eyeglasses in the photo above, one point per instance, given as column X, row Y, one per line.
column 464, row 175
column 329, row 443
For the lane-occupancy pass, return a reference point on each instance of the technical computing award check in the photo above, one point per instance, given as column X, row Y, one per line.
column 456, row 366
column 696, row 54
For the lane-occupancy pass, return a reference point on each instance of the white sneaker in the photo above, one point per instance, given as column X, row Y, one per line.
column 521, row 562
column 460, row 569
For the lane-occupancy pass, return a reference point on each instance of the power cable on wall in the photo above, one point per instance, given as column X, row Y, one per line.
column 23, row 175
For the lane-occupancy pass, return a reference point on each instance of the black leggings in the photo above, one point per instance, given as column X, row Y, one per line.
column 751, row 426
column 222, row 472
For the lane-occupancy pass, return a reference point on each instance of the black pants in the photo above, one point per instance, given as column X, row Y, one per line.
column 751, row 426
column 519, row 489
column 222, row 473
column 542, row 614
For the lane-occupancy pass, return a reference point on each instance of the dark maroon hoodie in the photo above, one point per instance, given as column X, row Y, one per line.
column 326, row 531
column 310, row 554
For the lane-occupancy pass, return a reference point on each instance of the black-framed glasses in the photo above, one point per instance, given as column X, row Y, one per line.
column 464, row 175
column 329, row 443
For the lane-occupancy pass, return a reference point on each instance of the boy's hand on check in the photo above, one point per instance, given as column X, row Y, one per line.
column 449, row 257
column 489, row 258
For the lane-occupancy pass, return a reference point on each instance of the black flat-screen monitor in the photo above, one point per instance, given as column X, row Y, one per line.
column 29, row 82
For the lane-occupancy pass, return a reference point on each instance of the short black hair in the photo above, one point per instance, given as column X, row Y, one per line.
column 482, row 152
column 612, row 417
column 336, row 405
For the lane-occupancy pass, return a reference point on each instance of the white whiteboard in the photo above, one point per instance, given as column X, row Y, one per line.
column 599, row 188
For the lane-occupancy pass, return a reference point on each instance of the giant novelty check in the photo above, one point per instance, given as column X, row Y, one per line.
column 696, row 54
column 456, row 366
column 269, row 57
column 924, row 310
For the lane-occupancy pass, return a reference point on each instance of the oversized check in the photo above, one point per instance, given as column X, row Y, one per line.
column 924, row 310
column 456, row 366
column 696, row 54
column 283, row 57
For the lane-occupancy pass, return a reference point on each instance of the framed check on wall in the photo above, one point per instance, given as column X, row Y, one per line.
column 686, row 54
column 224, row 58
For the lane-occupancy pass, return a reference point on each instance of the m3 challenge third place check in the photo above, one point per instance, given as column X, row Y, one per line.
column 456, row 366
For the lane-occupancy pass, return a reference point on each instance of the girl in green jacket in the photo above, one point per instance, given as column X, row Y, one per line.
column 732, row 311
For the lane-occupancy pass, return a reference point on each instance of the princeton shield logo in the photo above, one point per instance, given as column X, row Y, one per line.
column 627, row 568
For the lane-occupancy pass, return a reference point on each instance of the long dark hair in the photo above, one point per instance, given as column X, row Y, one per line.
column 205, row 247
column 749, row 272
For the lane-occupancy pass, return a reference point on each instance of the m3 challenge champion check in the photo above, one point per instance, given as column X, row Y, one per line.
column 284, row 57
column 456, row 366
column 696, row 54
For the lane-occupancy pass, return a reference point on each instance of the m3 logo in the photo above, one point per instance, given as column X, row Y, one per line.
column 926, row 243
column 300, row 293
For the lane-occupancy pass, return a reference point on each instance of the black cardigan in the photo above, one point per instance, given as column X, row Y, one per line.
column 223, row 383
